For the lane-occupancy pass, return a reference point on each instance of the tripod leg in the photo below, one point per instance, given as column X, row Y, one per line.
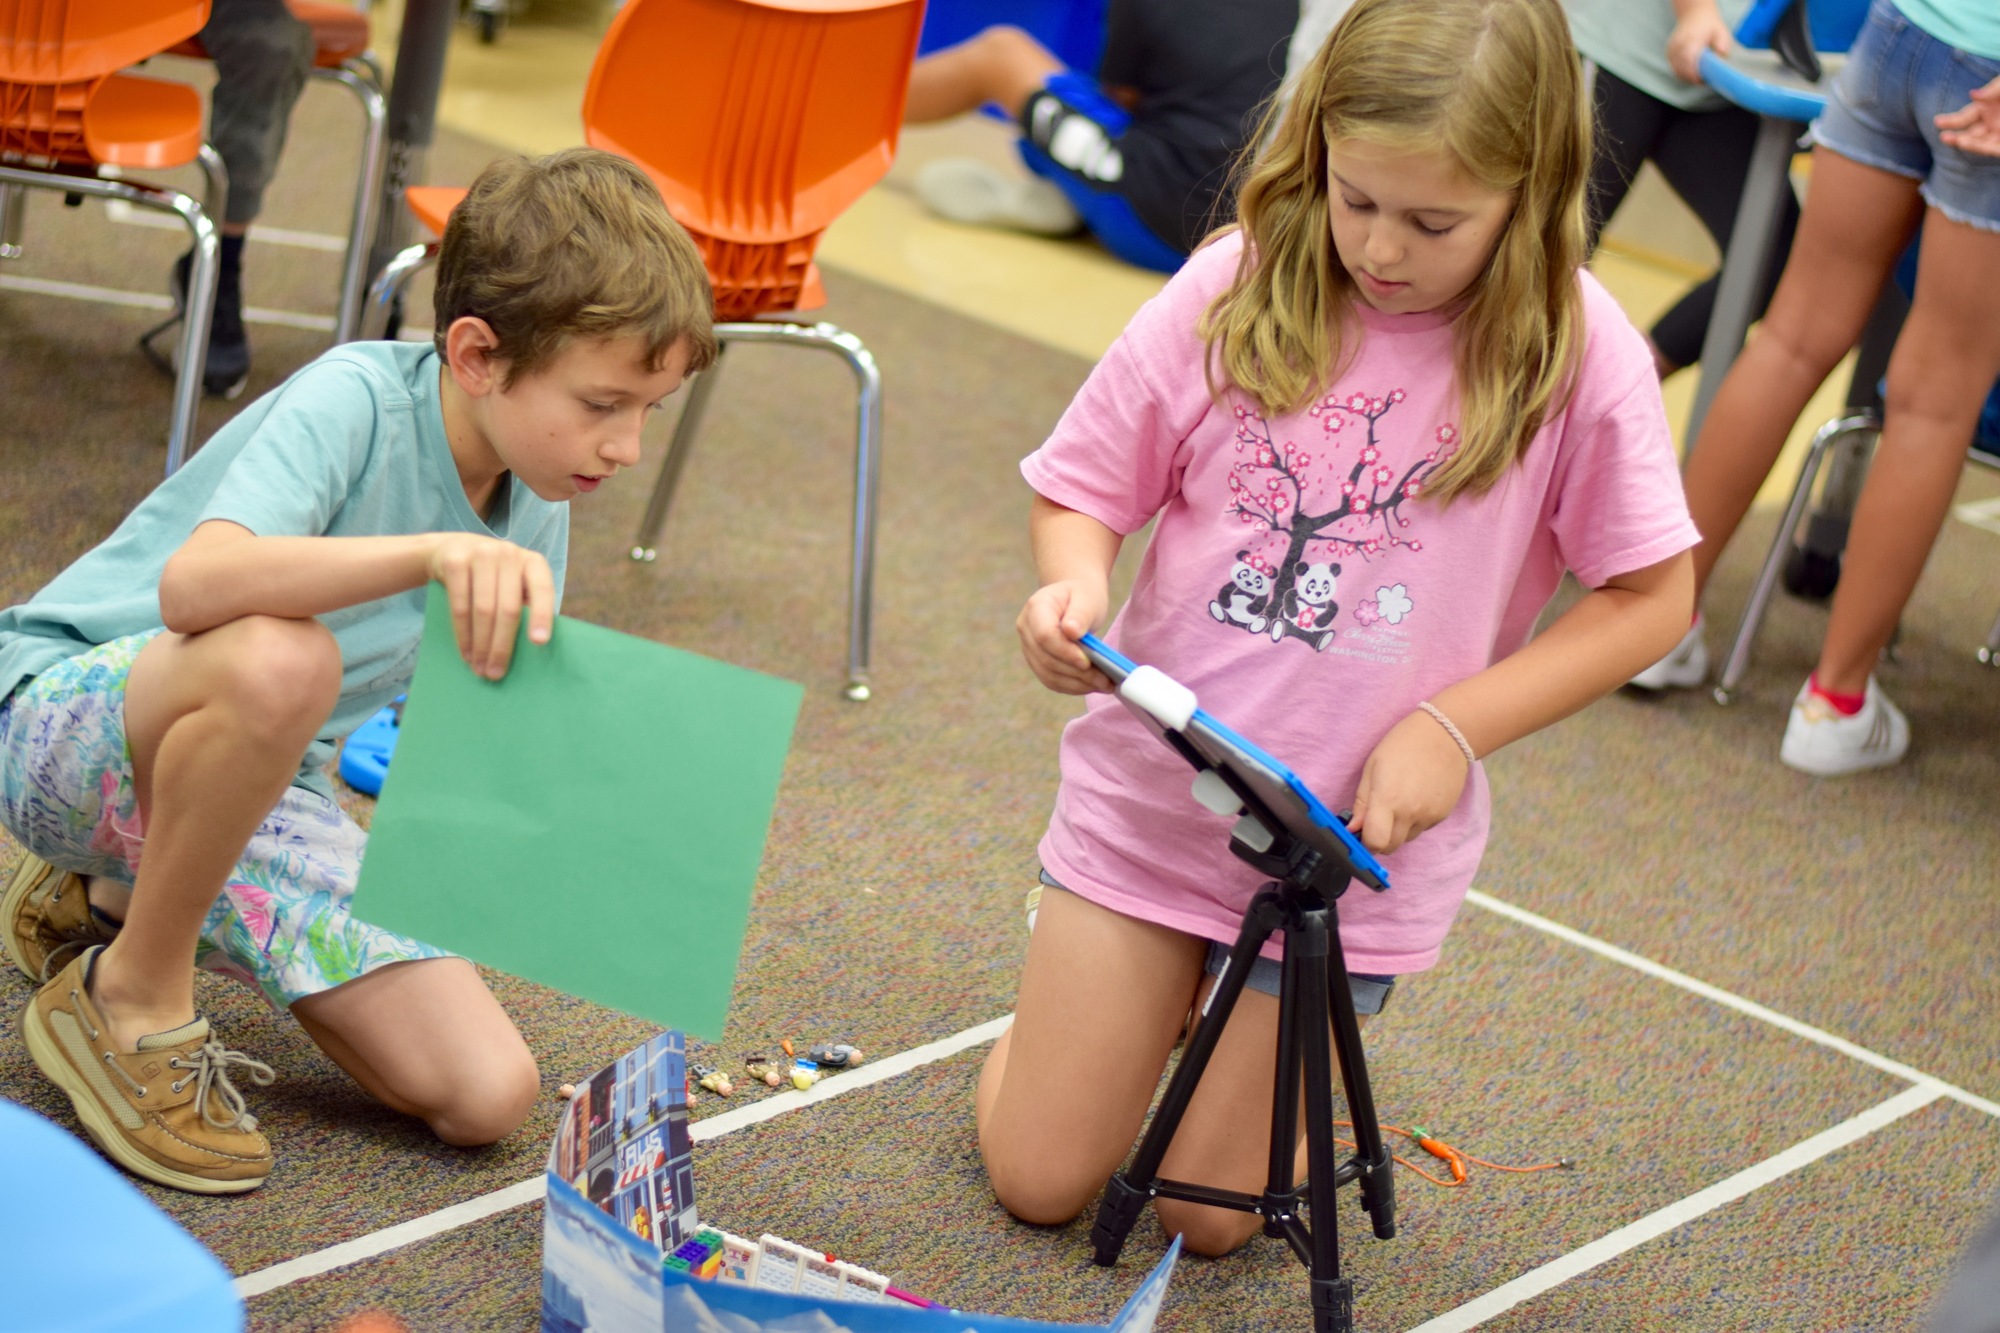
column 1280, row 1189
column 1378, row 1180
column 1332, row 1294
column 1126, row 1193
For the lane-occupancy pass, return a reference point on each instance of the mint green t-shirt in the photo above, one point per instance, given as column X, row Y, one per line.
column 1973, row 26
column 1629, row 38
column 352, row 445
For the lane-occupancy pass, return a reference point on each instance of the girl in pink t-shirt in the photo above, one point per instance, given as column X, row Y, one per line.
column 1373, row 425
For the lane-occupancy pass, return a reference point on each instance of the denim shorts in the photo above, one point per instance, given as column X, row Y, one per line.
column 1881, row 114
column 1370, row 990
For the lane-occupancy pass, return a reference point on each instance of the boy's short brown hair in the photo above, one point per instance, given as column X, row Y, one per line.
column 577, row 244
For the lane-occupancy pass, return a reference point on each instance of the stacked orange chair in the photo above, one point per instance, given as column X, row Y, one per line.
column 66, row 111
column 341, row 56
column 761, row 121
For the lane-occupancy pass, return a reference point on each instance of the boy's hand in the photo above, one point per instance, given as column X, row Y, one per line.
column 1975, row 127
column 1054, row 619
column 1411, row 782
column 1702, row 29
column 488, row 582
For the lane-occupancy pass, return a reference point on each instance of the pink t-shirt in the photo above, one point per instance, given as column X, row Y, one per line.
column 1305, row 590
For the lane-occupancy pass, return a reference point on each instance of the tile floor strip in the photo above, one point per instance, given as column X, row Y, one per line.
column 530, row 1191
column 1558, row 1271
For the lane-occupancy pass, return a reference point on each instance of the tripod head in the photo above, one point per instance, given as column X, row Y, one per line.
column 1282, row 828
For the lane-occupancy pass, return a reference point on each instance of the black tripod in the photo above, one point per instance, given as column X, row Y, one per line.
column 1310, row 862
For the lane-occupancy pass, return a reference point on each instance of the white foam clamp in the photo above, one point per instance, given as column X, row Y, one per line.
column 1252, row 834
column 1213, row 792
column 1170, row 703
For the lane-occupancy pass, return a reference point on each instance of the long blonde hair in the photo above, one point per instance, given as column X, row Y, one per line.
column 1493, row 83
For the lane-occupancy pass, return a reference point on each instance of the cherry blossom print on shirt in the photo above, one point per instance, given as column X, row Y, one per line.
column 1305, row 510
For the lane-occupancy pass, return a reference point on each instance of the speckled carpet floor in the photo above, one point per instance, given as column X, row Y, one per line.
column 888, row 910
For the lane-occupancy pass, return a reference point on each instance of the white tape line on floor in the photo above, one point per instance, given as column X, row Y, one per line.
column 119, row 211
column 83, row 291
column 1730, row 1000
column 530, row 1191
column 1558, row 1271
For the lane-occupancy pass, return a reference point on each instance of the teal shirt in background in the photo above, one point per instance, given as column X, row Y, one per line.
column 1973, row 26
column 1629, row 38
column 352, row 445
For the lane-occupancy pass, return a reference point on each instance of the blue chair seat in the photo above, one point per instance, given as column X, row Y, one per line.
column 1758, row 81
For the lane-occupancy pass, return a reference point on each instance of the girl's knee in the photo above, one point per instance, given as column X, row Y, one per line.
column 1035, row 1188
column 1933, row 389
column 1211, row 1232
column 1038, row 1197
column 486, row 1106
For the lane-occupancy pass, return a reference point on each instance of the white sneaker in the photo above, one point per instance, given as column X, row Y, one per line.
column 1823, row 741
column 1682, row 669
column 964, row 189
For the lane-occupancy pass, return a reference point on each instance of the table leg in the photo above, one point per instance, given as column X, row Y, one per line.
column 413, row 97
column 1751, row 241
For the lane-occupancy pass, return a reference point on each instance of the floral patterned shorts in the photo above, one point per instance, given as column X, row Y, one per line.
column 282, row 923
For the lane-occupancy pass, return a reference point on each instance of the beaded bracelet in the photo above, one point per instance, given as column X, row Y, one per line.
column 1464, row 747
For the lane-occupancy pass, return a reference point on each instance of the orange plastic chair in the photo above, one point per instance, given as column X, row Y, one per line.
column 761, row 121
column 65, row 111
column 341, row 55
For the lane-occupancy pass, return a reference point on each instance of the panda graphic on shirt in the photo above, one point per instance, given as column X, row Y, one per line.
column 1307, row 511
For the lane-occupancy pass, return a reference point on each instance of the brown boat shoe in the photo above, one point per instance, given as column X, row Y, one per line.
column 167, row 1111
column 45, row 916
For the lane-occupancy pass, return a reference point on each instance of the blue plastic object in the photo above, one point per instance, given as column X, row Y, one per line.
column 1072, row 29
column 1833, row 24
column 1106, row 212
column 364, row 760
column 82, row 1251
column 1792, row 99
column 1216, row 742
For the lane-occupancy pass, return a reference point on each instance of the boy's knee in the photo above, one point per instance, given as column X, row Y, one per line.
column 1210, row 1232
column 486, row 1107
column 278, row 675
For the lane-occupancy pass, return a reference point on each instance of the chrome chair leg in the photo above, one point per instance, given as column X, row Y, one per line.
column 13, row 213
column 867, row 472
column 200, row 285
column 389, row 284
column 360, row 76
column 195, row 319
column 214, row 183
column 645, row 545
column 1767, row 577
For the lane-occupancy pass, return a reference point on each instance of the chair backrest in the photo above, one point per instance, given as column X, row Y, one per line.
column 54, row 54
column 1834, row 24
column 760, row 120
column 71, row 41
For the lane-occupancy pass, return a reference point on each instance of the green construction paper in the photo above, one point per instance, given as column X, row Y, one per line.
column 593, row 821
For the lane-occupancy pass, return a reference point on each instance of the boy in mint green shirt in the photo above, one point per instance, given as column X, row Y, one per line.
column 179, row 689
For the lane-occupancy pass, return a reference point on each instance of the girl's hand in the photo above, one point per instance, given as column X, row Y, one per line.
column 1412, row 781
column 1975, row 127
column 1701, row 30
column 1053, row 620
column 488, row 582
